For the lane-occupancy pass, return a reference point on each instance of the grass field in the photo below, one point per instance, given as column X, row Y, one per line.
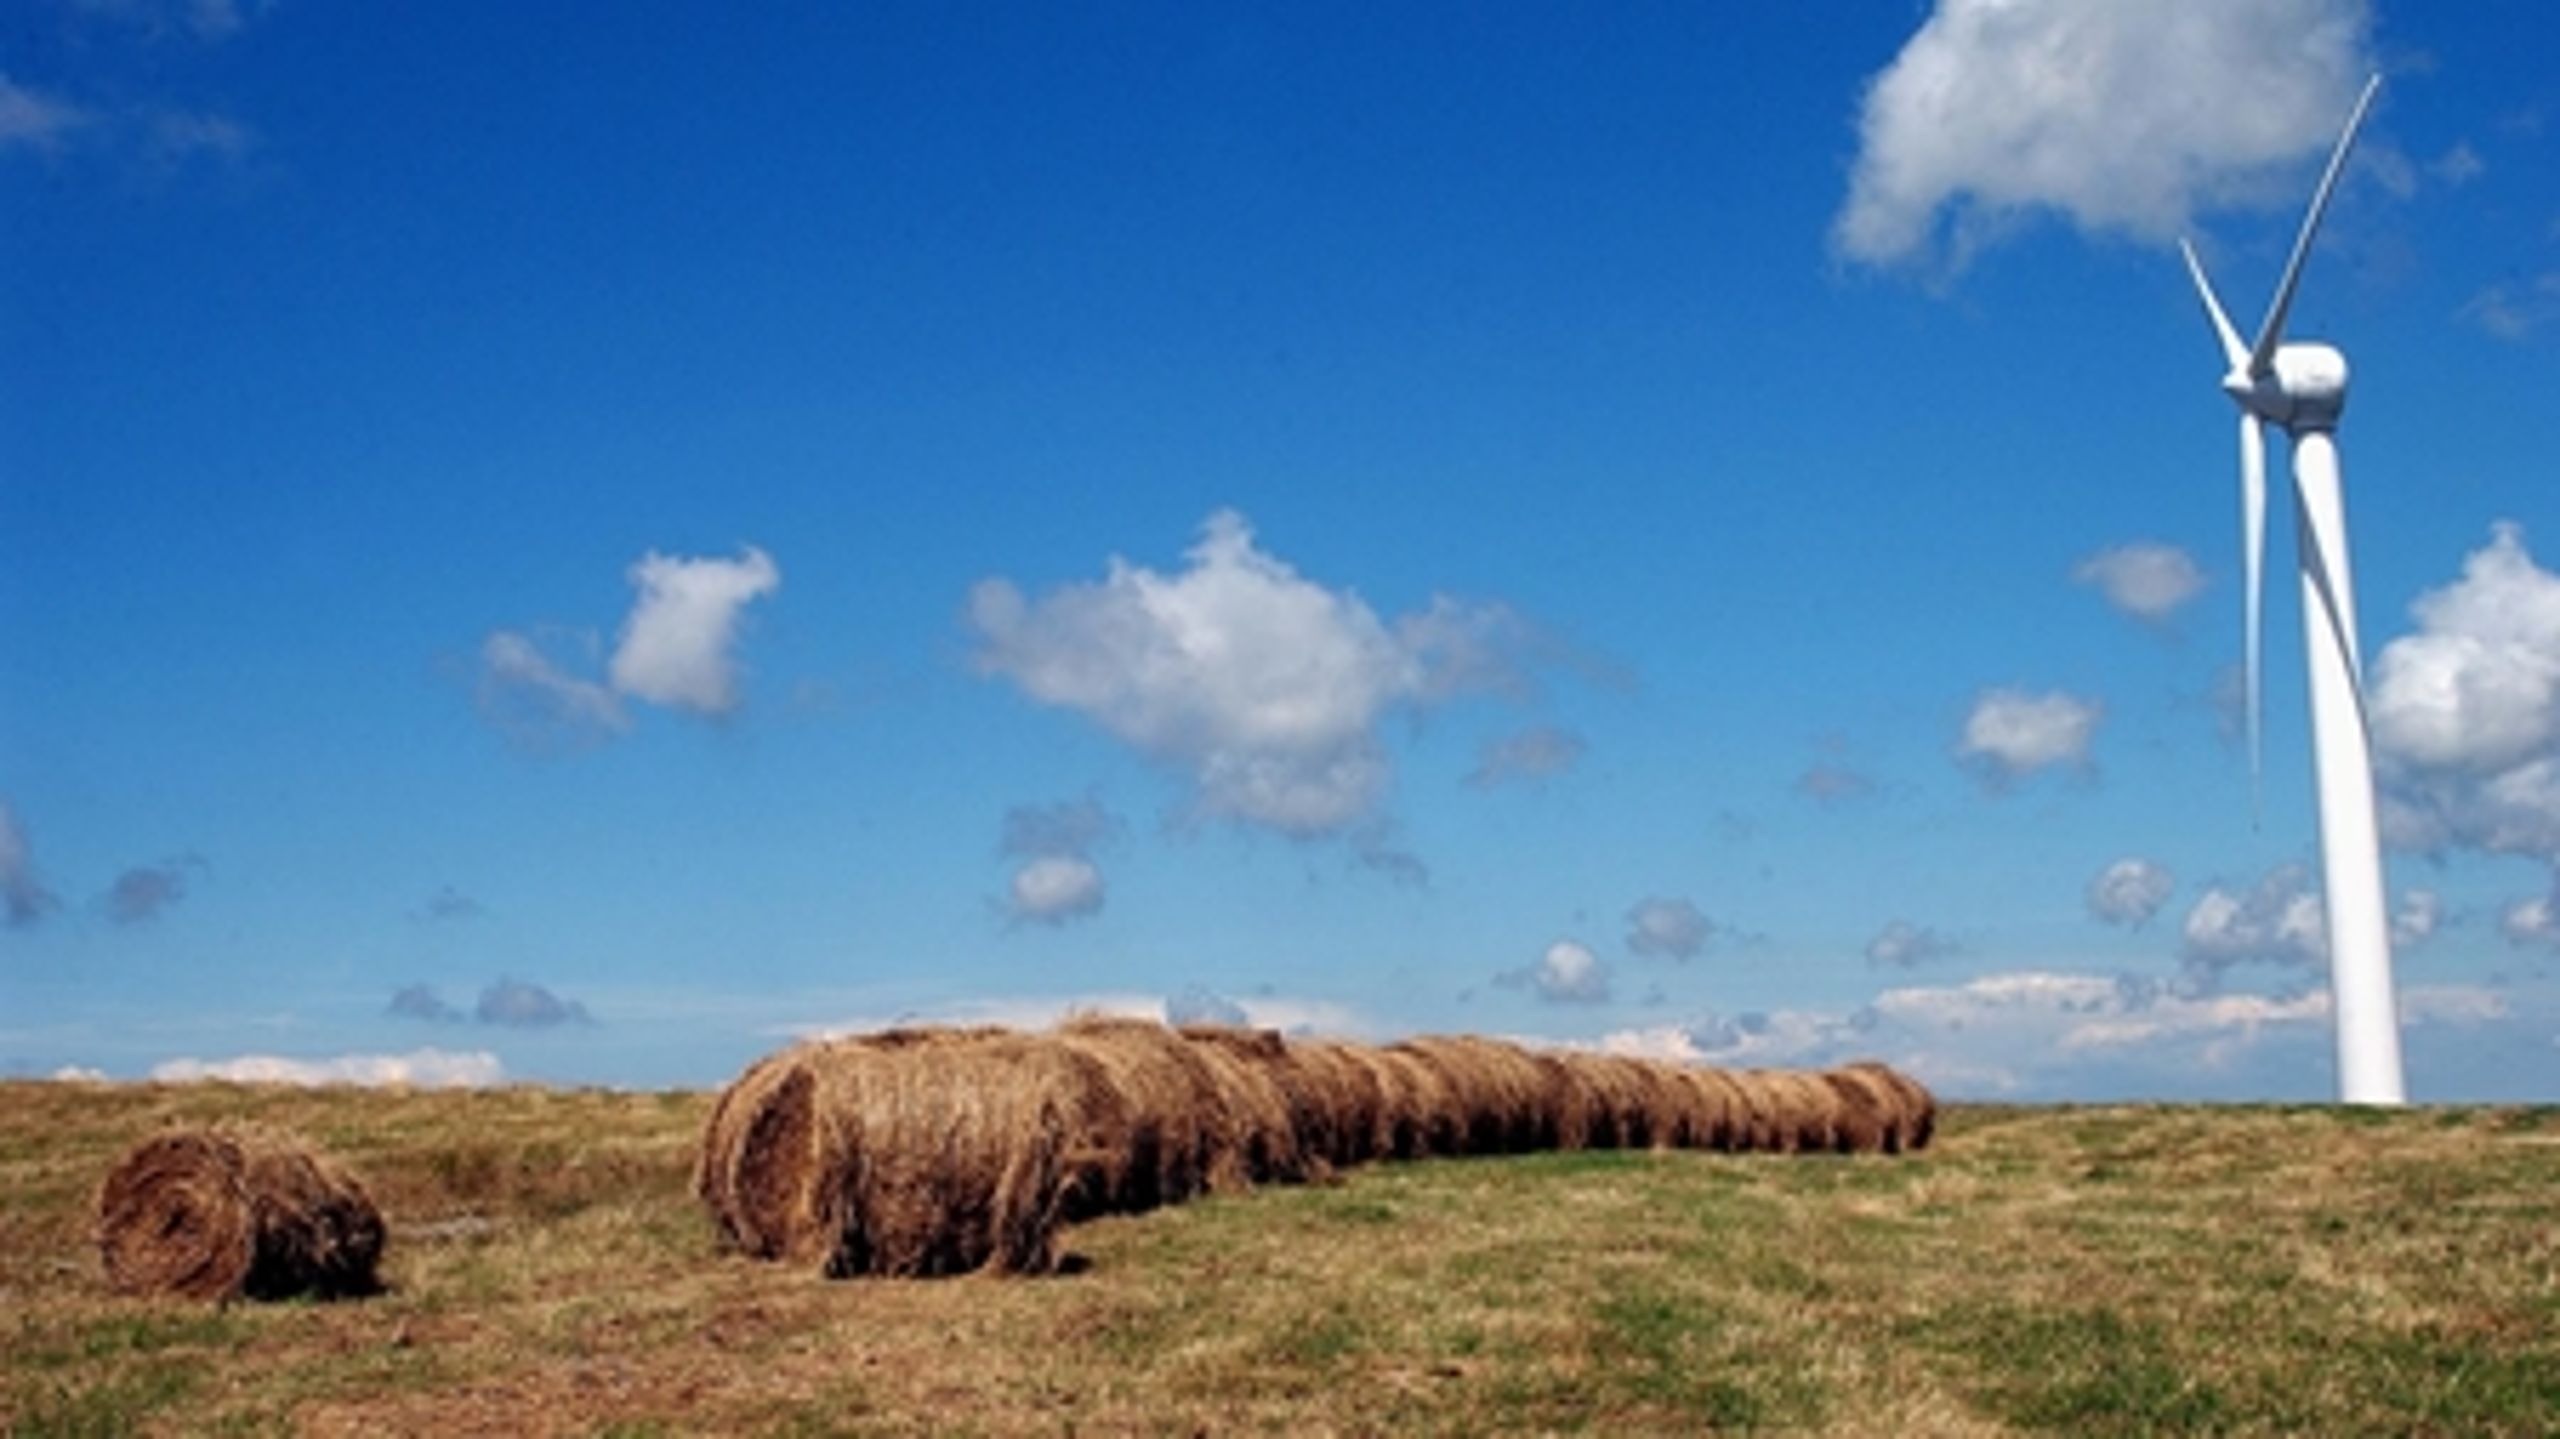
column 2084, row 1270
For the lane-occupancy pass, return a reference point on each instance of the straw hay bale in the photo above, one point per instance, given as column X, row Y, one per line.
column 1185, row 1135
column 1756, row 1123
column 1639, row 1102
column 1503, row 1100
column 1918, row 1110
column 941, row 1157
column 1715, row 1108
column 1309, row 1095
column 1420, row 1110
column 236, row 1212
column 1348, row 1088
column 1870, row 1112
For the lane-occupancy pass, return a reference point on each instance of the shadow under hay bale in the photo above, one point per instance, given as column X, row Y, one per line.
column 236, row 1213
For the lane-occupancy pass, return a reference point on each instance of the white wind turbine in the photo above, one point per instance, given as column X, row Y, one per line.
column 2303, row 387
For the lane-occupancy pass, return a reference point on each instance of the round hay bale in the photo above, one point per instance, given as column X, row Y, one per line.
column 1870, row 1112
column 1503, row 1101
column 1808, row 1111
column 1918, row 1110
column 942, row 1158
column 1574, row 1106
column 717, row 1159
column 1303, row 1143
column 1349, row 1083
column 1418, row 1111
column 1706, row 1109
column 1756, row 1126
column 1182, row 1136
column 1638, row 1098
column 233, row 1213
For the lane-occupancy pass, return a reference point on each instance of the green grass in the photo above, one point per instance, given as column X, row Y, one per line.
column 2121, row 1270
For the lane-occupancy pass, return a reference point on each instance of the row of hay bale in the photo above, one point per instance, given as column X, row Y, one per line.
column 933, row 1151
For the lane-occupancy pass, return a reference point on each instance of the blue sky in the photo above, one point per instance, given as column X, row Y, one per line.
column 542, row 548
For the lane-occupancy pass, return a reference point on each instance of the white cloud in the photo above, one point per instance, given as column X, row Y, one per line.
column 23, row 898
column 1903, row 944
column 1198, row 1005
column 418, row 1069
column 1055, row 888
column 2420, row 915
column 2064, row 1033
column 2130, row 891
column 1668, row 927
column 1568, row 973
column 1264, row 687
column 2145, row 580
column 2466, row 710
column 539, row 703
column 675, row 646
column 1060, row 881
column 34, row 119
column 78, row 1074
column 2125, row 117
column 2278, row 921
column 2532, row 921
column 2011, row 733
column 2514, row 309
column 2458, row 166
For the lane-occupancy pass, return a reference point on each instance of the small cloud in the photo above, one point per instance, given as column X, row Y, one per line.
column 179, row 136
column 2144, row 580
column 2010, row 733
column 2129, row 892
column 2279, row 920
column 141, row 893
column 538, row 702
column 2534, row 921
column 1059, row 880
column 675, row 648
column 2458, row 166
column 1374, row 848
column 1568, row 973
column 418, row 1069
column 2515, row 309
column 23, row 898
column 448, row 903
column 1054, row 889
column 1827, row 783
column 1532, row 754
column 1668, row 928
column 1196, row 1005
column 2420, row 915
column 33, row 120
column 1264, row 688
column 518, row 1005
column 1902, row 944
column 419, row 1001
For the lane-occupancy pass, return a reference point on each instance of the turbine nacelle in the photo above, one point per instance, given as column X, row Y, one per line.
column 2304, row 388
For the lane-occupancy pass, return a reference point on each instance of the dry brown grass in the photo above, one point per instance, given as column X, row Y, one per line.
column 2123, row 1270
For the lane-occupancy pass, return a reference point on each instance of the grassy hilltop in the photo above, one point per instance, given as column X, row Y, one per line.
column 2089, row 1270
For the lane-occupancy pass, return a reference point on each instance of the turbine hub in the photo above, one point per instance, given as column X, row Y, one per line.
column 2307, row 389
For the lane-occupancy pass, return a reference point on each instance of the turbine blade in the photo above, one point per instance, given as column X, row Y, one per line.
column 2262, row 355
column 2233, row 353
column 2253, row 547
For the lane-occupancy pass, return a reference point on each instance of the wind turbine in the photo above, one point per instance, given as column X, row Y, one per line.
column 2303, row 387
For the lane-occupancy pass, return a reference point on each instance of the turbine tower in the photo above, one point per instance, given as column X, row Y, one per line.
column 2303, row 387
